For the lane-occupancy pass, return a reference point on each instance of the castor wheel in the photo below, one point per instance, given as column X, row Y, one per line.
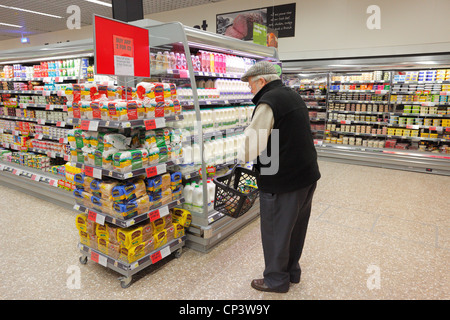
column 178, row 253
column 125, row 282
column 83, row 259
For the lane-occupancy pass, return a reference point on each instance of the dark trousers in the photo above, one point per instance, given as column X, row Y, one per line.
column 284, row 220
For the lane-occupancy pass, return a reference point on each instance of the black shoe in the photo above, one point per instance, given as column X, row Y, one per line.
column 260, row 285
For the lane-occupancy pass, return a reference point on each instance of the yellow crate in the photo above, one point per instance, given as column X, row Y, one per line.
column 398, row 132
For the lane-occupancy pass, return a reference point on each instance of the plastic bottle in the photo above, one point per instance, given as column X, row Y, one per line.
column 188, row 196
column 183, row 62
column 208, row 153
column 159, row 61
column 219, row 151
column 187, row 154
column 196, row 153
column 211, row 192
column 178, row 59
column 166, row 60
column 172, row 61
column 197, row 199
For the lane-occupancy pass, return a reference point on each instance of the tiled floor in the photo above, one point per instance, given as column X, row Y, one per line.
column 374, row 234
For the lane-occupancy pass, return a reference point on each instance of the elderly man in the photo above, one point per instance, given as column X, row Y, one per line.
column 280, row 136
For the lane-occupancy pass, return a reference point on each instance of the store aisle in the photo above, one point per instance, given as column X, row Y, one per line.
column 374, row 234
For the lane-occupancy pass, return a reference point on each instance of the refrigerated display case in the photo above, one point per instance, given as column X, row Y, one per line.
column 33, row 117
column 392, row 112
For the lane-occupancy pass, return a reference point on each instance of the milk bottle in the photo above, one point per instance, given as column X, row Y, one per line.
column 197, row 199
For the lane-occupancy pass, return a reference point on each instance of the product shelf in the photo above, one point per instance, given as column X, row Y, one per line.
column 37, row 92
column 29, row 173
column 39, row 121
column 219, row 102
column 150, row 171
column 44, row 79
column 149, row 124
column 130, row 269
column 153, row 214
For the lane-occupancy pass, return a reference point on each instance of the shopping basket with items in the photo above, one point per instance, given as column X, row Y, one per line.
column 236, row 191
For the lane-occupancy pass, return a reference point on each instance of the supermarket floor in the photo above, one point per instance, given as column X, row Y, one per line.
column 374, row 234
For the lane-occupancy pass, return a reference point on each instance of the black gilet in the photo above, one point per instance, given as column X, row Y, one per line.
column 298, row 166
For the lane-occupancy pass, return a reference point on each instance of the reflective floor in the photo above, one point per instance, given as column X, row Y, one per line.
column 374, row 234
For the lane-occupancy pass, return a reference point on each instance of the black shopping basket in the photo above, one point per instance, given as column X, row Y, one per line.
column 230, row 198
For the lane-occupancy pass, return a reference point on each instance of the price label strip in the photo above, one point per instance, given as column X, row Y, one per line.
column 161, row 254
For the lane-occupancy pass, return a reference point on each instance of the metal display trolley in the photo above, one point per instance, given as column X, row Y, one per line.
column 128, row 270
column 409, row 118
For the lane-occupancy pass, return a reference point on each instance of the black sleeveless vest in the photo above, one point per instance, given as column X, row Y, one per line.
column 297, row 161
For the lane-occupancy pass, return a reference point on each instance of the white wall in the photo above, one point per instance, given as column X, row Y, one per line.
column 324, row 28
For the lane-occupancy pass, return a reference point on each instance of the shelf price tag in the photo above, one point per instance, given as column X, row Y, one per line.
column 153, row 171
column 93, row 172
column 102, row 260
column 93, row 216
column 154, row 215
column 160, row 254
column 158, row 213
column 156, row 257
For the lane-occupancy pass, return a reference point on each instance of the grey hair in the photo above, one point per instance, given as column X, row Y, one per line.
column 267, row 77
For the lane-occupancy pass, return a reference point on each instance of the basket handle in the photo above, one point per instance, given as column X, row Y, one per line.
column 232, row 174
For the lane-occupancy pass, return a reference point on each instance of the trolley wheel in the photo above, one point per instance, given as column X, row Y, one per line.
column 178, row 253
column 125, row 282
column 83, row 259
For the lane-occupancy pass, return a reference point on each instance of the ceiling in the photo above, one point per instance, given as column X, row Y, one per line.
column 27, row 23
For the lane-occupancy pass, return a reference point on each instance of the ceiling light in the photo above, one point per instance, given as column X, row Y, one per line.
column 10, row 25
column 30, row 11
column 100, row 2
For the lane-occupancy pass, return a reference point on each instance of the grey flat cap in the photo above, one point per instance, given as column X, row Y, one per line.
column 258, row 69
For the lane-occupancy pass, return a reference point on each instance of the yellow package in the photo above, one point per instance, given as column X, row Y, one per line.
column 129, row 237
column 136, row 252
column 80, row 222
column 85, row 238
column 182, row 217
column 178, row 231
column 102, row 245
column 160, row 239
column 101, row 232
column 161, row 223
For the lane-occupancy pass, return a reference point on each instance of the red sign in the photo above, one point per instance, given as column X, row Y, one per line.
column 117, row 43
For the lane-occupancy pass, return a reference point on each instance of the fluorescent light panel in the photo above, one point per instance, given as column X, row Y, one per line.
column 10, row 25
column 100, row 2
column 30, row 11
